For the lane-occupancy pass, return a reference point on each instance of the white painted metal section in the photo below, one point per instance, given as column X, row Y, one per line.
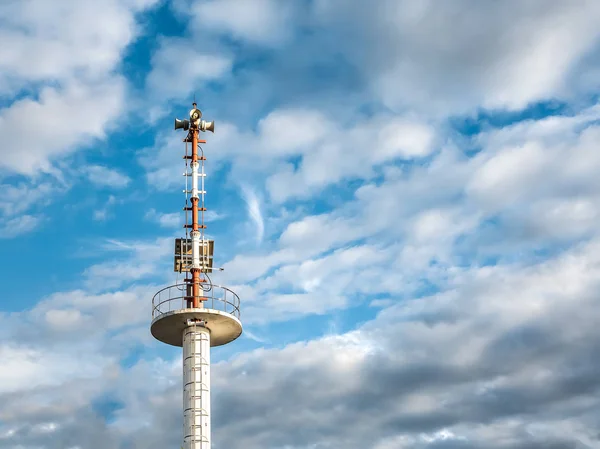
column 195, row 249
column 196, row 387
column 195, row 179
column 203, row 176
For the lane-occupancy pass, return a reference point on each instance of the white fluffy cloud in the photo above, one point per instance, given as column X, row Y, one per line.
column 198, row 64
column 533, row 185
column 65, row 39
column 107, row 177
column 68, row 51
column 266, row 22
column 459, row 56
column 61, row 123
column 330, row 151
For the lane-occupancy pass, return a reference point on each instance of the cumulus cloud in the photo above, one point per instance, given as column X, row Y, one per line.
column 503, row 359
column 479, row 364
column 75, row 67
column 329, row 151
column 200, row 66
column 434, row 218
column 464, row 55
column 107, row 177
column 55, row 133
column 265, row 22
column 439, row 61
column 66, row 39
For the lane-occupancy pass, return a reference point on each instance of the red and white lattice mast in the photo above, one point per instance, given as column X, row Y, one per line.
column 195, row 314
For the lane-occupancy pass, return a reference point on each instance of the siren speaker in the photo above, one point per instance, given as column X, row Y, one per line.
column 207, row 126
column 195, row 114
column 179, row 124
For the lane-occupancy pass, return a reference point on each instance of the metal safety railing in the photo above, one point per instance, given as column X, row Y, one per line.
column 212, row 296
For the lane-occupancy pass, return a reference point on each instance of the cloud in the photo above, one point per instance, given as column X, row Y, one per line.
column 107, row 177
column 61, row 409
column 142, row 260
column 253, row 209
column 170, row 220
column 337, row 153
column 480, row 365
column 430, row 222
column 211, row 215
column 18, row 225
column 318, row 286
column 478, row 254
column 198, row 66
column 402, row 56
column 24, row 364
column 75, row 75
column 19, row 197
column 461, row 365
column 75, row 44
column 175, row 220
column 459, row 57
column 58, row 107
column 329, row 152
column 103, row 214
column 265, row 22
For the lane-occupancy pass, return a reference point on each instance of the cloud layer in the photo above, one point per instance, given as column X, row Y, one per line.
column 404, row 195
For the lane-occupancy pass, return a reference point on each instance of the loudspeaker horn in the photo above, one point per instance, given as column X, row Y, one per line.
column 207, row 126
column 179, row 124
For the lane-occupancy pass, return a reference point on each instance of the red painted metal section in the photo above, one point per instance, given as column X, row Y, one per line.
column 197, row 278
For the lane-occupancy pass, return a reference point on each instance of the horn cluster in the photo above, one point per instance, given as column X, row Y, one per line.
column 195, row 122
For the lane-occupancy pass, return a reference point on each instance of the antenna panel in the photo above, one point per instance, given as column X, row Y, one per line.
column 182, row 261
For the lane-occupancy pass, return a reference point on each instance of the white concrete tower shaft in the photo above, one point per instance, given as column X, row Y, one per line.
column 196, row 386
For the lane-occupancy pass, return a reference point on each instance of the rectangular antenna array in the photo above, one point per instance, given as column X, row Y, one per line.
column 183, row 255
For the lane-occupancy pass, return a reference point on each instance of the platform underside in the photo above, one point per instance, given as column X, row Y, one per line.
column 168, row 327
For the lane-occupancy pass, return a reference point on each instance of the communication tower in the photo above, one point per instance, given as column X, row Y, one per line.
column 195, row 314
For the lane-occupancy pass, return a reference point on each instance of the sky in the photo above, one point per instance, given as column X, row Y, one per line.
column 403, row 193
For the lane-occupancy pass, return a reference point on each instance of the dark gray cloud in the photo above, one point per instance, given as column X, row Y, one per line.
column 507, row 357
column 521, row 347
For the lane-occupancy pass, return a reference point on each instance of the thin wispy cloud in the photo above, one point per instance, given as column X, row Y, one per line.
column 254, row 212
column 18, row 225
column 106, row 177
column 252, row 336
column 171, row 220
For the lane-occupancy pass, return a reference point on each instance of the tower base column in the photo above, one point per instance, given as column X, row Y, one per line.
column 196, row 386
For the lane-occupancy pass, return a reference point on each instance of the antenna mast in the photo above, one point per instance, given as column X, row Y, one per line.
column 205, row 314
column 196, row 267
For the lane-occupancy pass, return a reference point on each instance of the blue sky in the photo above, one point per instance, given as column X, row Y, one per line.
column 404, row 194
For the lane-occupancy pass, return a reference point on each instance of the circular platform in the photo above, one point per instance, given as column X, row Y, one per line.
column 168, row 327
column 220, row 310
